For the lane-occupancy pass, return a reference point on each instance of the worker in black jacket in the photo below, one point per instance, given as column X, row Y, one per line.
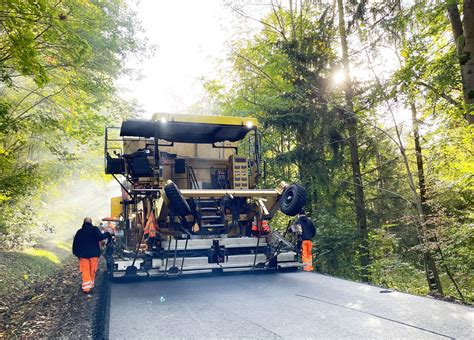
column 86, row 247
column 306, row 231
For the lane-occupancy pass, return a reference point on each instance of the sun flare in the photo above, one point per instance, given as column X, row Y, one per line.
column 338, row 77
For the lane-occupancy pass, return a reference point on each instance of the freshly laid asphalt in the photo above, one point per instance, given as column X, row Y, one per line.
column 278, row 305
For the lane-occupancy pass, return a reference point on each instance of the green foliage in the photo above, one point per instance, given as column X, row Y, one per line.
column 450, row 169
column 283, row 75
column 429, row 78
column 58, row 61
column 457, row 242
column 335, row 245
column 391, row 267
column 284, row 78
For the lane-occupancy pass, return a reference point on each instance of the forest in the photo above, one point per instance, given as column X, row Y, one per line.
column 367, row 104
column 58, row 62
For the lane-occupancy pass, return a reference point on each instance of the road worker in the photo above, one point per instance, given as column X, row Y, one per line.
column 86, row 247
column 111, row 227
column 263, row 230
column 306, row 231
column 151, row 228
column 102, row 230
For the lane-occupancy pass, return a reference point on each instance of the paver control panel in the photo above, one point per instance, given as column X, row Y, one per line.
column 239, row 172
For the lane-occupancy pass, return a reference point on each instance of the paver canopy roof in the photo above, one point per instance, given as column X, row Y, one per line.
column 184, row 132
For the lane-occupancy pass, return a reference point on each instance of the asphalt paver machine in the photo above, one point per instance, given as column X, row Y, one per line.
column 198, row 179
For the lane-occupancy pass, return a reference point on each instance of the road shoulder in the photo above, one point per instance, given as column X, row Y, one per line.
column 57, row 307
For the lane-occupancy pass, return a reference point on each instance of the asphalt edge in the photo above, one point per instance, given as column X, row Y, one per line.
column 100, row 326
column 385, row 289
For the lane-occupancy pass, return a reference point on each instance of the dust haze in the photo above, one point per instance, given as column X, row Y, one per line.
column 75, row 200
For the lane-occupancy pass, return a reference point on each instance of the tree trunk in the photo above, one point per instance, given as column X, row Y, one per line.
column 456, row 25
column 292, row 21
column 431, row 269
column 379, row 204
column 425, row 207
column 351, row 123
column 419, row 158
column 467, row 61
column 463, row 33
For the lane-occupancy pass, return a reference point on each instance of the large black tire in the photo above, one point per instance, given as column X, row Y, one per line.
column 177, row 201
column 293, row 200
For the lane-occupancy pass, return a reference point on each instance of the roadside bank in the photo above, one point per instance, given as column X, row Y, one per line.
column 47, row 301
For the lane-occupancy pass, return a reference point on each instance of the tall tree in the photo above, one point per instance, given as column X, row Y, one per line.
column 415, row 76
column 289, row 86
column 351, row 123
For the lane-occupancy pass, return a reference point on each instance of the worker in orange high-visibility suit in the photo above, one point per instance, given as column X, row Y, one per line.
column 86, row 247
column 263, row 230
column 151, row 228
column 307, row 231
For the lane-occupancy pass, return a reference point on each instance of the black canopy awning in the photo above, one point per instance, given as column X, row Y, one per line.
column 184, row 132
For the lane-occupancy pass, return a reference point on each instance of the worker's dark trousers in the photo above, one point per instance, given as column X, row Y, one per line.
column 151, row 242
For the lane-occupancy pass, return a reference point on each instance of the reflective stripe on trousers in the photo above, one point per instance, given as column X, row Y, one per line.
column 87, row 285
column 88, row 268
column 307, row 255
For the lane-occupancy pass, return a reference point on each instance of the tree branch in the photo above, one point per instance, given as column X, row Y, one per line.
column 267, row 76
column 40, row 101
column 440, row 94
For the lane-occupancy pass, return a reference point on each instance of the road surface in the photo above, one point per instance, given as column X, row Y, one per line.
column 278, row 305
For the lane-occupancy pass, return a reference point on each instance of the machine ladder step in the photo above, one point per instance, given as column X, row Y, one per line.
column 219, row 225
column 211, row 217
column 209, row 208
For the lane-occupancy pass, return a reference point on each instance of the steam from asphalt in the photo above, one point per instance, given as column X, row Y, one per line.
column 65, row 210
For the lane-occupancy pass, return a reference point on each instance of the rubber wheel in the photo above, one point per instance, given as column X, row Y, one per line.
column 293, row 200
column 179, row 204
